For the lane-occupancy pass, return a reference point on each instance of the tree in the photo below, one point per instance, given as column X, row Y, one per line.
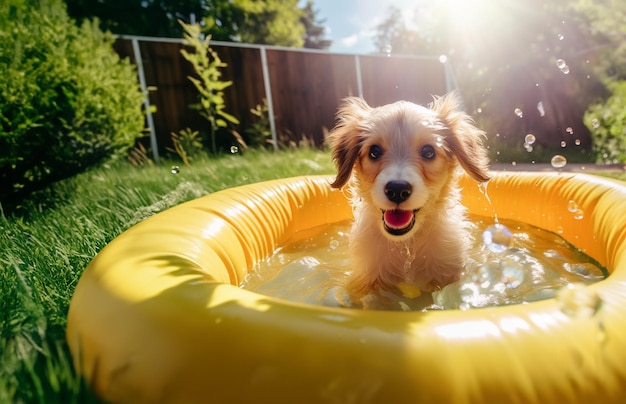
column 508, row 56
column 314, row 31
column 273, row 22
column 270, row 22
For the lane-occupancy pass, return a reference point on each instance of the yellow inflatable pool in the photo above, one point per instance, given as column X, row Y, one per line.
column 158, row 316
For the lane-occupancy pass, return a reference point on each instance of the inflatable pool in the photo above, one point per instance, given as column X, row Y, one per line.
column 158, row 316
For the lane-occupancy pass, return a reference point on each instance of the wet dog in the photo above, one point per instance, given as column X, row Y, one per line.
column 400, row 163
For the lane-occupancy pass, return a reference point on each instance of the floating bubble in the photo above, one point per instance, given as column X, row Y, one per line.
column 578, row 301
column 540, row 108
column 563, row 143
column 530, row 139
column 565, row 69
column 175, row 169
column 577, row 142
column 497, row 238
column 519, row 112
column 560, row 63
column 528, row 147
column 560, row 37
column 443, row 58
column 512, row 274
column 595, row 123
column 569, row 130
column 558, row 161
column 234, row 149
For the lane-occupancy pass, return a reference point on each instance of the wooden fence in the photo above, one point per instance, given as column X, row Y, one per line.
column 303, row 87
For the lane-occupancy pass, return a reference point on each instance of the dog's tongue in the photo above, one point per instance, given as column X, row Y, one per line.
column 398, row 218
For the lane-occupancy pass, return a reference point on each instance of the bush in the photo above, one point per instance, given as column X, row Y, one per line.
column 66, row 99
column 607, row 123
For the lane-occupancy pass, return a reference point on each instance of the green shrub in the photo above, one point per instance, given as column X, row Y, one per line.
column 607, row 123
column 66, row 99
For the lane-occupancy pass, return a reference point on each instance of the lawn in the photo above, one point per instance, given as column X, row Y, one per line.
column 58, row 231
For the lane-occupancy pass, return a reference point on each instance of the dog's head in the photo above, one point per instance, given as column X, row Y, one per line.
column 404, row 156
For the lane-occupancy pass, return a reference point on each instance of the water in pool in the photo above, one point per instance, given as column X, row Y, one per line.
column 510, row 263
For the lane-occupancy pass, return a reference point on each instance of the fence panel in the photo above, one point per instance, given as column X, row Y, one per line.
column 306, row 86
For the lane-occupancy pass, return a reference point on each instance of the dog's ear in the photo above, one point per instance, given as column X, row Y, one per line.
column 464, row 139
column 347, row 137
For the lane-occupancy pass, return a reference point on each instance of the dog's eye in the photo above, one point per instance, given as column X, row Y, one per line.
column 428, row 152
column 376, row 152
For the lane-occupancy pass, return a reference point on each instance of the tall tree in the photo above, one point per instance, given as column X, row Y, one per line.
column 314, row 31
column 509, row 56
column 275, row 22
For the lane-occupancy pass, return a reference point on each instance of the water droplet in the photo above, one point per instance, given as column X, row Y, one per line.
column 443, row 58
column 579, row 214
column 560, row 63
column 577, row 142
column 497, row 238
column 530, row 139
column 572, row 206
column 234, row 149
column 519, row 112
column 439, row 140
column 563, row 143
column 334, row 244
column 578, row 301
column 175, row 169
column 540, row 108
column 565, row 69
column 569, row 130
column 558, row 161
column 595, row 123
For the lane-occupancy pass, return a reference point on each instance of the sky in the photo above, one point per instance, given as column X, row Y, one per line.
column 351, row 24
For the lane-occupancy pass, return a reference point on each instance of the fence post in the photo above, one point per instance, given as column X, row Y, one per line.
column 268, row 96
column 359, row 81
column 146, row 102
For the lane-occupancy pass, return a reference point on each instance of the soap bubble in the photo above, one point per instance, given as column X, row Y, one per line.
column 558, row 161
column 175, row 169
column 577, row 142
column 519, row 112
column 530, row 139
column 560, row 63
column 497, row 238
column 563, row 143
column 569, row 130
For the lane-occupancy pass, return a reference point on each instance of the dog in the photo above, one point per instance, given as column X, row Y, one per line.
column 401, row 163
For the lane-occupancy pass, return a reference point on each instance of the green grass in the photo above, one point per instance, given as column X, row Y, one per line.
column 54, row 234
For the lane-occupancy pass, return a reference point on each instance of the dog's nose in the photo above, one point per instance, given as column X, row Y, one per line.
column 398, row 191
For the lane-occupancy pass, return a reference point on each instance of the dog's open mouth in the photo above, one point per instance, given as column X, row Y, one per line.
column 399, row 222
